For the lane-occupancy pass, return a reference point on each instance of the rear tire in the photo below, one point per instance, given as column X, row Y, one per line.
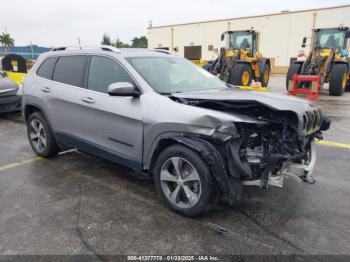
column 191, row 198
column 265, row 75
column 241, row 75
column 293, row 69
column 40, row 136
column 337, row 83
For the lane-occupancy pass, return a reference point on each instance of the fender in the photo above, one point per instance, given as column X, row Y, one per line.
column 229, row 187
column 298, row 62
column 338, row 61
column 42, row 111
column 25, row 113
column 243, row 62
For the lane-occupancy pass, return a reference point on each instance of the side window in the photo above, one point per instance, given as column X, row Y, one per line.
column 46, row 68
column 70, row 70
column 103, row 72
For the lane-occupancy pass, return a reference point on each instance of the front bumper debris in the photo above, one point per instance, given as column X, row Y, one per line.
column 295, row 170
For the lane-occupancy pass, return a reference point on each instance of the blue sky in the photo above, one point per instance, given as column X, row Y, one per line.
column 60, row 22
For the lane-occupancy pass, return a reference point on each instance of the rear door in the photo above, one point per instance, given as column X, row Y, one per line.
column 112, row 124
column 65, row 91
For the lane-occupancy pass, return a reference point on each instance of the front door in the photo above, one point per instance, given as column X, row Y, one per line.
column 113, row 125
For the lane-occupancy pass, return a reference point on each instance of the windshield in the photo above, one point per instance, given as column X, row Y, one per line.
column 330, row 38
column 240, row 40
column 174, row 74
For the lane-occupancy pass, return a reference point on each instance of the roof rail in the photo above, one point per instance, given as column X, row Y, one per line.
column 102, row 47
column 109, row 48
column 161, row 51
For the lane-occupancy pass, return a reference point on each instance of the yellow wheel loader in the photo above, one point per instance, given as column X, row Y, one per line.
column 240, row 62
column 328, row 58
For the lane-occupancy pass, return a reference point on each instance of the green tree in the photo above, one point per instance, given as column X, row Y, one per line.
column 139, row 42
column 6, row 41
column 106, row 40
column 120, row 44
column 136, row 42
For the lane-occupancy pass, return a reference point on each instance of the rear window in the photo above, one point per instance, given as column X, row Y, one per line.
column 70, row 70
column 46, row 68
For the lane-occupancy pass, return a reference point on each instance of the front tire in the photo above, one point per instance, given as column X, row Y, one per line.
column 339, row 75
column 241, row 75
column 183, row 181
column 40, row 136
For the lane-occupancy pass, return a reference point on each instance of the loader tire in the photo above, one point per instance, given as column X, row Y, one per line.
column 241, row 75
column 293, row 69
column 265, row 75
column 337, row 83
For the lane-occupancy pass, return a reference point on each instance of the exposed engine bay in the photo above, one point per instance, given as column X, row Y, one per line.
column 280, row 142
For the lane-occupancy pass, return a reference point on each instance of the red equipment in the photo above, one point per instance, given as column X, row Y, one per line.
column 312, row 92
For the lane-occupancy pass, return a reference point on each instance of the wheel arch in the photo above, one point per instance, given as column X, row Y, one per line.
column 245, row 63
column 211, row 156
column 30, row 109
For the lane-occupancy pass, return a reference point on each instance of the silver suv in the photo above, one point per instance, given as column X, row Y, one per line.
column 198, row 137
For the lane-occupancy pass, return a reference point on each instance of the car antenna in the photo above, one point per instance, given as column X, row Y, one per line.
column 79, row 42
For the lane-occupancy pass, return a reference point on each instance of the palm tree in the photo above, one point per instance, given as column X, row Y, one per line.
column 6, row 41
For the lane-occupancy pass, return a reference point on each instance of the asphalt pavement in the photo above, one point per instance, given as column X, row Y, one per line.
column 76, row 204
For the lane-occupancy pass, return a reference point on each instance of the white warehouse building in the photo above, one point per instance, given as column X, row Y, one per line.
column 281, row 34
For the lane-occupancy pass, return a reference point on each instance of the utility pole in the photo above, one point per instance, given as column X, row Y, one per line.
column 31, row 49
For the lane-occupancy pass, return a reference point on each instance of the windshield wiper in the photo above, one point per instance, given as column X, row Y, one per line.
column 169, row 93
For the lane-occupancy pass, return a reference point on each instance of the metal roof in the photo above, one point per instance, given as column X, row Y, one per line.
column 286, row 12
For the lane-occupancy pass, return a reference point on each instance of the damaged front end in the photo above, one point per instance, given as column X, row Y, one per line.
column 280, row 143
column 263, row 155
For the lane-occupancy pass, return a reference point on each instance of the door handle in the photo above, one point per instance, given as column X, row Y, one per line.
column 46, row 90
column 88, row 100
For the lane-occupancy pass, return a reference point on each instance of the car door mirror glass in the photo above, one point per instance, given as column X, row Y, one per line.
column 123, row 89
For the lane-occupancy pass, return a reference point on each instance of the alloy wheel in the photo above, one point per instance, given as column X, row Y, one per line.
column 37, row 135
column 180, row 182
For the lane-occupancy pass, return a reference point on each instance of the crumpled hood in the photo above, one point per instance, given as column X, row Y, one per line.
column 272, row 100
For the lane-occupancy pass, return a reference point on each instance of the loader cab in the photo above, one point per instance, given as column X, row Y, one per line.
column 331, row 38
column 241, row 40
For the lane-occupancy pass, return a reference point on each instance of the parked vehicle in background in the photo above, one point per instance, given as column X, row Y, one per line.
column 328, row 58
column 15, row 66
column 10, row 94
column 241, row 62
column 197, row 137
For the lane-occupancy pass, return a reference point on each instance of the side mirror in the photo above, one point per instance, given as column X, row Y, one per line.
column 123, row 89
column 222, row 36
column 304, row 42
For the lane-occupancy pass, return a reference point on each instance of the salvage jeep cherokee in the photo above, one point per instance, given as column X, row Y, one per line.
column 199, row 138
